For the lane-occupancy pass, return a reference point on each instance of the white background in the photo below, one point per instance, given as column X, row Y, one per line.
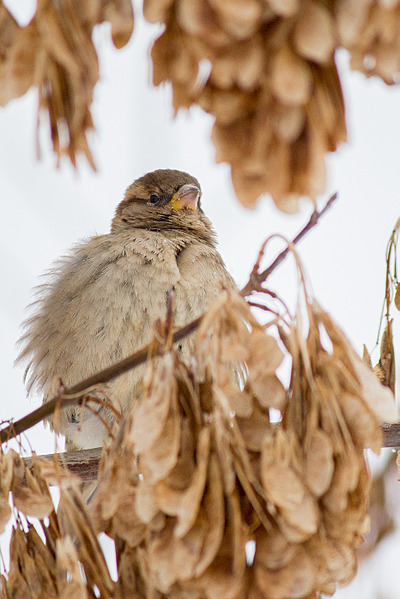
column 44, row 210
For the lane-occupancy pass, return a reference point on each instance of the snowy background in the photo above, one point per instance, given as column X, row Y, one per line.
column 45, row 210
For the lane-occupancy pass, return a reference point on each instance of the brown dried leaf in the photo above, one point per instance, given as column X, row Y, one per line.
column 227, row 105
column 8, row 30
column 156, row 11
column 397, row 297
column 44, row 558
column 240, row 402
column 219, row 580
column 336, row 561
column 3, row 587
column 117, row 479
column 211, row 517
column 125, row 522
column 180, row 476
column 378, row 398
column 173, row 559
column 309, row 172
column 319, row 462
column 297, row 511
column 284, row 8
column 288, row 122
column 34, row 499
column 146, row 504
column 366, row 356
column 75, row 522
column 130, row 582
column 22, row 581
column 197, row 18
column 362, row 423
column 314, row 32
column 157, row 462
column 387, row 359
column 7, row 470
column 348, row 527
column 269, row 391
column 299, row 523
column 185, row 504
column 120, row 15
column 254, row 428
column 32, row 567
column 379, row 373
column 239, row 19
column 266, row 354
column 282, row 486
column 291, row 78
column 5, row 511
column 70, row 582
column 18, row 71
column 273, row 551
column 326, row 107
column 350, row 18
column 152, row 410
column 240, row 65
column 234, row 350
column 239, row 534
column 295, row 580
column 222, row 440
column 344, row 481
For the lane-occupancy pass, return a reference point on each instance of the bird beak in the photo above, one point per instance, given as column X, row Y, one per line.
column 187, row 196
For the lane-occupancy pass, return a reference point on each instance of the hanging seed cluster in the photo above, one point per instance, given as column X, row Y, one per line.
column 203, row 494
column 272, row 84
column 264, row 69
column 55, row 53
column 212, row 475
column 272, row 87
column 60, row 556
column 370, row 31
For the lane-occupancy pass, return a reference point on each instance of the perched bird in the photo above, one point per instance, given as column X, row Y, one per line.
column 102, row 299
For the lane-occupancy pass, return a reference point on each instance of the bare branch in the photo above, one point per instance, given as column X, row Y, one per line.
column 391, row 434
column 85, row 463
column 256, row 277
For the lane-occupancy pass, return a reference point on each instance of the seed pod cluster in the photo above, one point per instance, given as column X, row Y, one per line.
column 370, row 31
column 204, row 490
column 213, row 474
column 199, row 474
column 271, row 84
column 264, row 69
column 55, row 53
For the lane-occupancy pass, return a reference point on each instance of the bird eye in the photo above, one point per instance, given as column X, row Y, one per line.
column 154, row 199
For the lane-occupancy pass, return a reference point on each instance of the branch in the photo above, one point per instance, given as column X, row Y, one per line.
column 80, row 390
column 256, row 277
column 391, row 434
column 85, row 463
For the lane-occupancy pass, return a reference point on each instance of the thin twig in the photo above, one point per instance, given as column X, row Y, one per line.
column 257, row 277
column 80, row 390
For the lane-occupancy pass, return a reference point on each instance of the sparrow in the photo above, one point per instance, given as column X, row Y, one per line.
column 100, row 302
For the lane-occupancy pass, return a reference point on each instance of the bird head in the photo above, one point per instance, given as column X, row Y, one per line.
column 164, row 200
